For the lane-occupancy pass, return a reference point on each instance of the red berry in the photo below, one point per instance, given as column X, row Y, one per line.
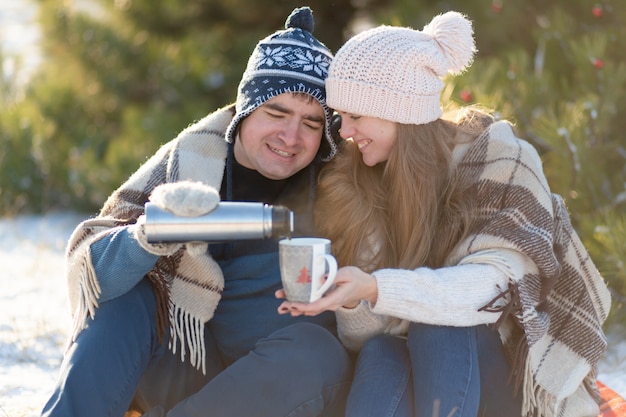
column 598, row 63
column 496, row 6
column 597, row 10
column 466, row 96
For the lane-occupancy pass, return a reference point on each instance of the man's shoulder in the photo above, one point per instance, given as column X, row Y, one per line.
column 214, row 123
column 207, row 133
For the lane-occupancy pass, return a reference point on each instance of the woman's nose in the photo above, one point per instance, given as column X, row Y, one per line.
column 346, row 130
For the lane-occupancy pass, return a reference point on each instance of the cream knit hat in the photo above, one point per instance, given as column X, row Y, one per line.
column 394, row 73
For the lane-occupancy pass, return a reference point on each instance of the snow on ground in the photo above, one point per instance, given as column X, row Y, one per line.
column 34, row 317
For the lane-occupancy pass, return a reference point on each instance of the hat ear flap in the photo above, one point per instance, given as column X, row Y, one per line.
column 454, row 35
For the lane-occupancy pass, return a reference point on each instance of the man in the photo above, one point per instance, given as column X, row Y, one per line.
column 180, row 330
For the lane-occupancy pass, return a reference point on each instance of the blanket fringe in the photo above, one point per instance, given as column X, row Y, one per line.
column 537, row 402
column 89, row 292
column 188, row 333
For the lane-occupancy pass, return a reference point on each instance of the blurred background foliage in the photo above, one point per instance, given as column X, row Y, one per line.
column 122, row 77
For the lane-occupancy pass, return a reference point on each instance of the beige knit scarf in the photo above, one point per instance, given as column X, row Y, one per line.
column 552, row 318
column 188, row 287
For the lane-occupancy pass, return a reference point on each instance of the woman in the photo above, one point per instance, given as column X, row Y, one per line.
column 463, row 283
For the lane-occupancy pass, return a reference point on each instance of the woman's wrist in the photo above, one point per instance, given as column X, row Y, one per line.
column 372, row 294
column 351, row 306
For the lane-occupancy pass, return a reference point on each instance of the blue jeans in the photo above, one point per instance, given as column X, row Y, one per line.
column 437, row 371
column 298, row 370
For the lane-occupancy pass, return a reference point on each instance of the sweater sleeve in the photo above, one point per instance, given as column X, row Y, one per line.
column 356, row 325
column 119, row 262
column 454, row 295
column 449, row 296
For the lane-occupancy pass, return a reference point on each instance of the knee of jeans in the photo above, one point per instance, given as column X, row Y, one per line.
column 140, row 298
column 383, row 343
column 139, row 303
column 312, row 342
column 430, row 331
column 143, row 293
column 442, row 341
column 311, row 336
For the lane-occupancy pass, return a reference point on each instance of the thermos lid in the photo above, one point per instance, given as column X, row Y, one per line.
column 282, row 221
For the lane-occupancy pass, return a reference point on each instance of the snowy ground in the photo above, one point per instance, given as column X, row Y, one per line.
column 34, row 316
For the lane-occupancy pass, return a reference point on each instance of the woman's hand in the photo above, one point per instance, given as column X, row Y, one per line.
column 351, row 286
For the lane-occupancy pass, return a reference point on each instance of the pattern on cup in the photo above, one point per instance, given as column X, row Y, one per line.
column 295, row 267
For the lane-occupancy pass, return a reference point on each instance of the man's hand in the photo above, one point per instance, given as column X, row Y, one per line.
column 185, row 198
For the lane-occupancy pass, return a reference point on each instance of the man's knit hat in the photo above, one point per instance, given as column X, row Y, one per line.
column 290, row 60
column 394, row 73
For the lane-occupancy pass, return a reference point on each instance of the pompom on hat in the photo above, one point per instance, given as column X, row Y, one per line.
column 395, row 73
column 289, row 60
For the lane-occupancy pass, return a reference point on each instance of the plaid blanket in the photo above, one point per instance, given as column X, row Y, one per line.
column 552, row 318
column 188, row 287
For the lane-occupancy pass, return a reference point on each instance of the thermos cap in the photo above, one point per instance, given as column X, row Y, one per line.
column 282, row 221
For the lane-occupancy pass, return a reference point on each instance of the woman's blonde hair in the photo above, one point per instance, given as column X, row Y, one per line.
column 407, row 212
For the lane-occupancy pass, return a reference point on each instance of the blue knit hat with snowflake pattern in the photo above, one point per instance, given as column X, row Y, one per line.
column 289, row 60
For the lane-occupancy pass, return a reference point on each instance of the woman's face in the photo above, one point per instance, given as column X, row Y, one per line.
column 374, row 137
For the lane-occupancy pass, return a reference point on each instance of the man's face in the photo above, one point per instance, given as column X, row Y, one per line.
column 281, row 137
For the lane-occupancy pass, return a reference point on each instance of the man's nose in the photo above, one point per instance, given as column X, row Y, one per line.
column 290, row 132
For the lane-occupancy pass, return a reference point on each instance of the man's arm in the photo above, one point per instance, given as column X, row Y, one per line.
column 120, row 262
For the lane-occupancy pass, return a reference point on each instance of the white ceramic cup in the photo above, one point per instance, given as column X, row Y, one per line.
column 307, row 268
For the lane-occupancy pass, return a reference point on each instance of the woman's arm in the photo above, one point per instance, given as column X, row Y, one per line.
column 452, row 296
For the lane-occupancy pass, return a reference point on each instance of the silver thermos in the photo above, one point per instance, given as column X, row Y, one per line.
column 230, row 220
